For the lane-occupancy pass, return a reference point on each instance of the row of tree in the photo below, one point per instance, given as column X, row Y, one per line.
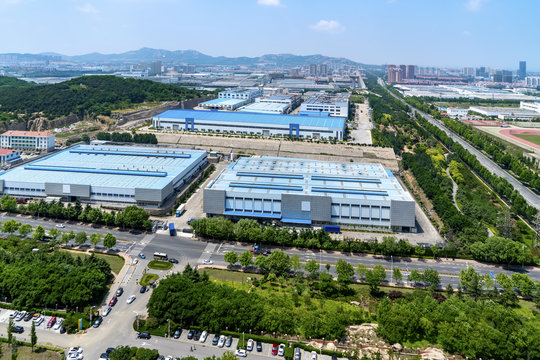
column 127, row 137
column 132, row 216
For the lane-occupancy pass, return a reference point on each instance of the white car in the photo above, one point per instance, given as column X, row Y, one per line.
column 313, row 355
column 204, row 335
column 240, row 353
column 39, row 320
column 131, row 299
column 169, row 358
column 60, row 226
column 58, row 324
column 20, row 316
column 208, row 262
column 281, row 350
column 249, row 346
column 13, row 314
column 135, row 261
column 75, row 350
column 75, row 357
column 221, row 342
column 107, row 310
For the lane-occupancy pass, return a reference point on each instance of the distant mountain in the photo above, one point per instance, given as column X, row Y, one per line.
column 197, row 58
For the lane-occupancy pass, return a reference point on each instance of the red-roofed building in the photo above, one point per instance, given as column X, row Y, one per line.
column 8, row 156
column 27, row 140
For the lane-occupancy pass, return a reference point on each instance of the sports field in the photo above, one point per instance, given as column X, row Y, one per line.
column 533, row 138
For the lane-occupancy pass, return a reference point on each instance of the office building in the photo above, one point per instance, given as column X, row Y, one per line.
column 251, row 123
column 313, row 70
column 243, row 94
column 155, row 68
column 323, row 70
column 522, row 72
column 27, row 140
column 9, row 157
column 403, row 70
column 335, row 104
column 532, row 81
column 409, row 72
column 122, row 175
column 305, row 192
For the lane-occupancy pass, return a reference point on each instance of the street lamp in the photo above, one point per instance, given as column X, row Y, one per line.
column 169, row 328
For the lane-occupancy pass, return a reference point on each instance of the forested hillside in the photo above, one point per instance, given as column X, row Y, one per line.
column 7, row 82
column 87, row 95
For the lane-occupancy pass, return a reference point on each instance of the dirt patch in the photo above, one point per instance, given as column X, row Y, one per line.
column 424, row 202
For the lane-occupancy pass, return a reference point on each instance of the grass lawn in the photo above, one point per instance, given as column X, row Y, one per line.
column 116, row 262
column 534, row 138
column 230, row 275
column 145, row 281
column 25, row 353
column 159, row 265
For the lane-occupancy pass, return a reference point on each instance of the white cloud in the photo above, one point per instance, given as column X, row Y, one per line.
column 269, row 2
column 88, row 9
column 328, row 26
column 475, row 5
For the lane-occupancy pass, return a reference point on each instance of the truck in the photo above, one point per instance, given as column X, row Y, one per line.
column 332, row 228
column 172, row 230
column 180, row 210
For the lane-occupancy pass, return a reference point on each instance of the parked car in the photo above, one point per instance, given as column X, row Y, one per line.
column 259, row 346
column 208, row 262
column 334, row 357
column 221, row 341
column 228, row 342
column 107, row 310
column 120, row 291
column 249, row 346
column 75, row 357
column 76, row 350
column 20, row 316
column 204, row 335
column 36, row 316
column 190, row 334
column 51, row 322
column 60, row 226
column 13, row 314
column 173, row 260
column 274, row 348
column 58, row 323
column 113, row 301
column 240, row 353
column 215, row 340
column 62, row 329
column 17, row 329
column 143, row 289
column 142, row 256
column 197, row 335
column 177, row 333
column 297, row 354
column 281, row 350
column 144, row 335
column 109, row 350
column 313, row 355
column 28, row 316
column 131, row 299
column 39, row 321
column 135, row 261
column 104, row 356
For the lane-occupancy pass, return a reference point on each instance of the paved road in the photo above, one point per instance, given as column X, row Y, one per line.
column 529, row 196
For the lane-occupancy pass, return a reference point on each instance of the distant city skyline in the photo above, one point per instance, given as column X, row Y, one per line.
column 460, row 33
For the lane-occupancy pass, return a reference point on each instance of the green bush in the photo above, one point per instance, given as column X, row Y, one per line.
column 159, row 265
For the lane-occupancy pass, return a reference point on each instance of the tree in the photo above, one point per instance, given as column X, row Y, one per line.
column 94, row 216
column 449, row 290
column 95, row 238
column 39, row 233
column 471, row 281
column 246, row 259
column 53, row 233
column 10, row 330
column 523, row 284
column 312, row 267
column 278, row 262
column 327, row 266
column 109, row 241
column 10, row 226
column 431, row 278
column 134, row 216
column 345, row 272
column 33, row 335
column 123, row 353
column 415, row 276
column 295, row 263
column 231, row 257
column 25, row 229
column 8, row 203
column 81, row 238
column 361, row 271
column 375, row 277
column 397, row 275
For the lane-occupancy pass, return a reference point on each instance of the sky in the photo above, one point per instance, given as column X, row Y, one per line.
column 453, row 33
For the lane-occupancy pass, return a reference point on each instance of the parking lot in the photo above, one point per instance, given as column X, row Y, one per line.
column 4, row 318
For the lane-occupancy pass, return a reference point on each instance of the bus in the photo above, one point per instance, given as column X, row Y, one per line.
column 161, row 256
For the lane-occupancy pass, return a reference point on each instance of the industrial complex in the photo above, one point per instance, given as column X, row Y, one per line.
column 334, row 104
column 302, row 191
column 252, row 123
column 122, row 175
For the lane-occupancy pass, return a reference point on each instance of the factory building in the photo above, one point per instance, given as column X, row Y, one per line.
column 243, row 94
column 251, row 123
column 335, row 104
column 27, row 140
column 302, row 191
column 222, row 104
column 120, row 175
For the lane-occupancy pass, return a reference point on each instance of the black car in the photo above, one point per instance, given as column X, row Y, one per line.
column 143, row 289
column 177, row 333
column 259, row 346
column 143, row 335
column 174, row 261
column 190, row 334
column 228, row 342
column 98, row 322
column 104, row 356
column 120, row 291
column 215, row 340
column 197, row 335
column 334, row 357
column 62, row 330
column 109, row 350
column 18, row 329
column 29, row 316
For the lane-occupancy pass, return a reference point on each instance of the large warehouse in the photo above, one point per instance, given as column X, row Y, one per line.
column 302, row 191
column 123, row 175
column 251, row 123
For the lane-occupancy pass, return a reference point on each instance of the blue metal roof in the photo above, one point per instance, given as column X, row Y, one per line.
column 246, row 117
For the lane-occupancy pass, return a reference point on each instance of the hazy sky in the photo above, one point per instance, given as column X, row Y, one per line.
column 496, row 33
